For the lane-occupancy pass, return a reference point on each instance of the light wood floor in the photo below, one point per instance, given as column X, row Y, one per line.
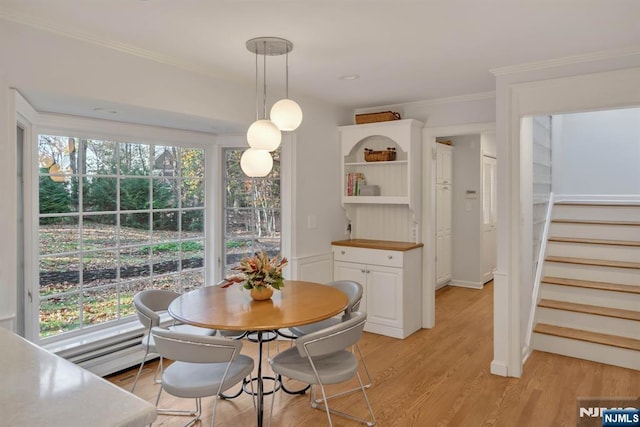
column 435, row 377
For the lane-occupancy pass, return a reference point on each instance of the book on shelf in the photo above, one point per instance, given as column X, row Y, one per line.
column 354, row 181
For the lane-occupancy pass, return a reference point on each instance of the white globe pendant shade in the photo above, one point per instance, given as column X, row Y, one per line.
column 286, row 114
column 264, row 135
column 256, row 163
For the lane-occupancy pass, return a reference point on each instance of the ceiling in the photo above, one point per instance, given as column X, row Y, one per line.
column 402, row 50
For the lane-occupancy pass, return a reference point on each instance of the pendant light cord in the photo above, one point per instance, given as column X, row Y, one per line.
column 257, row 105
column 264, row 81
column 287, row 72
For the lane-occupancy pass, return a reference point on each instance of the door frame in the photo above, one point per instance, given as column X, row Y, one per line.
column 429, row 135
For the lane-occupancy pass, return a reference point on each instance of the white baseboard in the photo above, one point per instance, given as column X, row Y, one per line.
column 499, row 368
column 526, row 352
column 466, row 284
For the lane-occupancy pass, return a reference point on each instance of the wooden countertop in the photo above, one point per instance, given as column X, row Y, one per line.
column 38, row 388
column 388, row 245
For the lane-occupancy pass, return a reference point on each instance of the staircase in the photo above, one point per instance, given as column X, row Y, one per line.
column 589, row 304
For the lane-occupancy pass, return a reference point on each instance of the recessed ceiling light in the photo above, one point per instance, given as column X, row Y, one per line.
column 105, row 110
column 350, row 77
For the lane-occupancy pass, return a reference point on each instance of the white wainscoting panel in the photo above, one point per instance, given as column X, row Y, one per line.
column 314, row 268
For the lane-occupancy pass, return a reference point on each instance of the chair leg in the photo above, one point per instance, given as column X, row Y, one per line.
column 159, row 370
column 273, row 397
column 318, row 403
column 364, row 365
column 144, row 359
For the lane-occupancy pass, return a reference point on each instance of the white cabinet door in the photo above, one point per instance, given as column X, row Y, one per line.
column 444, row 164
column 443, row 260
column 443, row 209
column 384, row 295
column 352, row 271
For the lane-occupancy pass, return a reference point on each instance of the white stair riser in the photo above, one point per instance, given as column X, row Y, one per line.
column 589, row 351
column 595, row 273
column 595, row 231
column 599, row 213
column 589, row 322
column 599, row 297
column 594, row 251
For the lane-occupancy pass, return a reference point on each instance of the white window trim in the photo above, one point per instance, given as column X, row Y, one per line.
column 43, row 123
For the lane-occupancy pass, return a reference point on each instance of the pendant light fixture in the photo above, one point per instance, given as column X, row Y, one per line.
column 286, row 115
column 256, row 163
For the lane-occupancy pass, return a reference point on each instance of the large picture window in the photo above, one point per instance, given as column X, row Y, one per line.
column 252, row 210
column 115, row 218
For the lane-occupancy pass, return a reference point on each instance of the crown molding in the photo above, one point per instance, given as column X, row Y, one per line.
column 435, row 101
column 61, row 30
column 567, row 60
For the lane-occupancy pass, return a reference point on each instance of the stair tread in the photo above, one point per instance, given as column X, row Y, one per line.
column 594, row 337
column 616, row 287
column 596, row 204
column 595, row 241
column 589, row 261
column 594, row 221
column 590, row 309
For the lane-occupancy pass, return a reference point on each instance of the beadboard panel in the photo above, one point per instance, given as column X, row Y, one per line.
column 383, row 222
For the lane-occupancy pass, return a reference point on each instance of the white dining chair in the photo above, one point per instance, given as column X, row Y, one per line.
column 354, row 292
column 321, row 358
column 149, row 305
column 202, row 366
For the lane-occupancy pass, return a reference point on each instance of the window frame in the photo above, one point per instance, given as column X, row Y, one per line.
column 287, row 201
column 253, row 209
column 42, row 123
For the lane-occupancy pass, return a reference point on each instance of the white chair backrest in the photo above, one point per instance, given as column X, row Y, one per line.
column 353, row 290
column 148, row 303
column 183, row 347
column 334, row 338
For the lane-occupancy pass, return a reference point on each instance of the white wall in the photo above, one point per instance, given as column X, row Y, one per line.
column 467, row 213
column 597, row 153
column 38, row 62
column 457, row 110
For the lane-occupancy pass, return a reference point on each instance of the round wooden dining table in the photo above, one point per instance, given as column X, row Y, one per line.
column 232, row 308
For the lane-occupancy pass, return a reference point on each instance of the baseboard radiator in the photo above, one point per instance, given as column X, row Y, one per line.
column 108, row 355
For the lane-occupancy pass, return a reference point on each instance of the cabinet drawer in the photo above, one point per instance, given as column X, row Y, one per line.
column 368, row 256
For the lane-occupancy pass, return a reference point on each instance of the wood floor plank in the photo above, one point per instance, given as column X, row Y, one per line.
column 590, row 309
column 435, row 377
column 615, row 287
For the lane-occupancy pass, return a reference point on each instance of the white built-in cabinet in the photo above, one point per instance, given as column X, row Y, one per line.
column 399, row 201
column 384, row 253
column 444, row 194
column 391, row 275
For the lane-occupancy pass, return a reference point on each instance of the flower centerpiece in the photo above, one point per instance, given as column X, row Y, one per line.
column 260, row 274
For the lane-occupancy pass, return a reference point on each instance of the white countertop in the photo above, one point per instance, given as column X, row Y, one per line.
column 38, row 388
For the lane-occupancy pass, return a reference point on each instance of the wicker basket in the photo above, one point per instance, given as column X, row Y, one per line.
column 387, row 155
column 383, row 116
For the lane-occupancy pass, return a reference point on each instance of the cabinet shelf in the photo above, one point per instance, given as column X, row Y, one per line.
column 399, row 179
column 389, row 200
column 399, row 162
